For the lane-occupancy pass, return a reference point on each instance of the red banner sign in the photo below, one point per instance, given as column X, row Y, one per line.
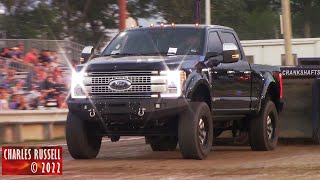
column 19, row 160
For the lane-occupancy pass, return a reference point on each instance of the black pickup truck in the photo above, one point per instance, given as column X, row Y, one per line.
column 181, row 84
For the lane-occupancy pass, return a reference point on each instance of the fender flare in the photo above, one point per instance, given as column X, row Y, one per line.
column 194, row 81
column 268, row 80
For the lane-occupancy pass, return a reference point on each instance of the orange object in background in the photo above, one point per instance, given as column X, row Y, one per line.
column 122, row 14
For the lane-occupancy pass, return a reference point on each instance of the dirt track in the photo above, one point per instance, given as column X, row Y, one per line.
column 133, row 159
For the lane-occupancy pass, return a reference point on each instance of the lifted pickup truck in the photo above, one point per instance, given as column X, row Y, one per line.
column 172, row 84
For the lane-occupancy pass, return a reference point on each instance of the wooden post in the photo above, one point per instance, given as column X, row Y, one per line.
column 48, row 131
column 287, row 32
column 208, row 12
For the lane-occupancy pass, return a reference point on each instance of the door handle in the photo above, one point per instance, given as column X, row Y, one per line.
column 247, row 73
column 230, row 73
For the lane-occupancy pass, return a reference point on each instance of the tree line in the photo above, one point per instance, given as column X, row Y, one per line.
column 86, row 21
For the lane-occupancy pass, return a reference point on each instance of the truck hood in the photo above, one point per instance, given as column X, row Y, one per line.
column 142, row 63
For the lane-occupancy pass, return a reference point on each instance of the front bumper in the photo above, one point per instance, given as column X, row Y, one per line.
column 127, row 110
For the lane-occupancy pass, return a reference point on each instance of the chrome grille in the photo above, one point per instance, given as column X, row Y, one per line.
column 143, row 84
column 107, row 89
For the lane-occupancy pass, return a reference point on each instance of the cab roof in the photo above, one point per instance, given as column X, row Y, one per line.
column 201, row 26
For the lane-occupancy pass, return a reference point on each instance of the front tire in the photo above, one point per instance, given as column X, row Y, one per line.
column 264, row 129
column 195, row 131
column 82, row 141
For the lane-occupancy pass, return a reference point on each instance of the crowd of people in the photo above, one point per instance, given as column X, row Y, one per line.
column 44, row 86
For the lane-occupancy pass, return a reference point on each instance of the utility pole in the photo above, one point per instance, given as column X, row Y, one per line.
column 197, row 13
column 208, row 12
column 287, row 31
column 122, row 14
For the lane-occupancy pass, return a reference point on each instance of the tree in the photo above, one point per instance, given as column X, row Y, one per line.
column 252, row 19
column 178, row 11
column 27, row 19
column 83, row 21
column 305, row 16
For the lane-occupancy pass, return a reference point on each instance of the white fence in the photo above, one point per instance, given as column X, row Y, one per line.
column 271, row 52
column 19, row 125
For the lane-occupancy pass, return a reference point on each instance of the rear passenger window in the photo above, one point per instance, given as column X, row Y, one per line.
column 214, row 42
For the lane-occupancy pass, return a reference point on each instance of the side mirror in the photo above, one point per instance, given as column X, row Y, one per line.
column 231, row 53
column 211, row 55
column 86, row 54
column 211, row 60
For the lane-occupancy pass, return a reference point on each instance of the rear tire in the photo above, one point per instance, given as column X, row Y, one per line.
column 82, row 141
column 195, row 131
column 264, row 129
column 163, row 143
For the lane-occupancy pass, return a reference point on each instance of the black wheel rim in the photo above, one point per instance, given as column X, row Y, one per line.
column 203, row 131
column 270, row 127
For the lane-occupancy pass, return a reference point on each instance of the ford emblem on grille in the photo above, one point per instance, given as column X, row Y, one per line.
column 119, row 84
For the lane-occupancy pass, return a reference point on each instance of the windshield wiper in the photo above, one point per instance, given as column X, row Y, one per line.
column 141, row 54
column 124, row 54
column 156, row 54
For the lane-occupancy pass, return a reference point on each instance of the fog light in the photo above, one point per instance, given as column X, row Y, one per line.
column 158, row 106
column 78, row 91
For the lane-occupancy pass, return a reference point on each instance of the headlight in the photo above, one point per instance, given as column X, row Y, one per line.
column 77, row 86
column 175, row 82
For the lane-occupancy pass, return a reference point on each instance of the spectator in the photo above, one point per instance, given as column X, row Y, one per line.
column 12, row 89
column 23, row 104
column 3, row 101
column 42, row 100
column 21, row 49
column 31, row 57
column 6, row 53
column 62, row 101
column 45, row 57
column 34, row 97
column 5, row 84
column 9, row 79
column 74, row 63
column 48, row 88
column 5, row 91
column 16, row 54
column 18, row 88
column 41, row 72
column 51, row 69
column 57, row 72
column 3, row 73
column 11, row 76
column 14, row 101
column 59, row 86
column 55, row 62
column 53, row 55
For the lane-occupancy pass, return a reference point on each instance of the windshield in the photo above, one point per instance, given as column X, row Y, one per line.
column 158, row 41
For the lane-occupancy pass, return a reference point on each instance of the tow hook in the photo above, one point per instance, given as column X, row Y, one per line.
column 92, row 113
column 141, row 111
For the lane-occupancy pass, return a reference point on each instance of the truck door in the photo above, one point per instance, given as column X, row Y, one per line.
column 238, row 92
column 220, row 81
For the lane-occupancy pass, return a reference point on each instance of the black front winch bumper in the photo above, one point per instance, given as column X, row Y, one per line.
column 126, row 110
